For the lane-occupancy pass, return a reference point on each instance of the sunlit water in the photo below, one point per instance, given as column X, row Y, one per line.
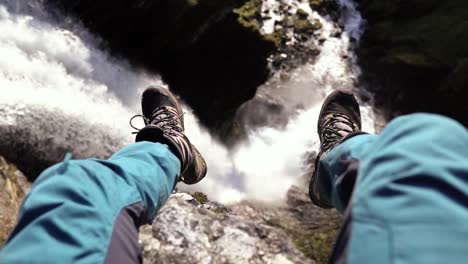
column 62, row 90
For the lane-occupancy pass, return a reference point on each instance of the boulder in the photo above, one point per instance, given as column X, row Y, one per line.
column 34, row 146
column 193, row 229
column 185, row 233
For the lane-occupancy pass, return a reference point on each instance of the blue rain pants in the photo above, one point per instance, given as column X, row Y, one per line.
column 89, row 211
column 407, row 202
column 409, row 198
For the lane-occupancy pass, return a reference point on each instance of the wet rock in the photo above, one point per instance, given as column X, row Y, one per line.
column 294, row 33
column 34, row 146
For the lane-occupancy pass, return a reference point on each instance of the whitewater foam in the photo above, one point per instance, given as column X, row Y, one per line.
column 83, row 98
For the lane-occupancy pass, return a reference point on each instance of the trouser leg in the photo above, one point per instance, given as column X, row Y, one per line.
column 89, row 211
column 337, row 171
column 409, row 203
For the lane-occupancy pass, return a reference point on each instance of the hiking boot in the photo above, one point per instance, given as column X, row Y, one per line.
column 164, row 123
column 339, row 118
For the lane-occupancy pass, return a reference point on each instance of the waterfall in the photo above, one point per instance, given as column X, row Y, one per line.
column 61, row 92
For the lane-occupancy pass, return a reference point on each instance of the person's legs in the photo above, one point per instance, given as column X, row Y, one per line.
column 339, row 121
column 409, row 203
column 89, row 211
column 337, row 171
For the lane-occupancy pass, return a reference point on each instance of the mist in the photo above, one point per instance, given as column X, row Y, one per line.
column 62, row 93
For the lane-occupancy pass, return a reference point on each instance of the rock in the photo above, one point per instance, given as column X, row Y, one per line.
column 14, row 186
column 295, row 34
column 34, row 146
column 184, row 233
column 326, row 7
column 197, row 230
column 414, row 56
column 312, row 229
column 299, row 35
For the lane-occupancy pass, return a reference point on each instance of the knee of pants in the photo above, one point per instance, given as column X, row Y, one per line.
column 416, row 158
column 411, row 193
column 424, row 128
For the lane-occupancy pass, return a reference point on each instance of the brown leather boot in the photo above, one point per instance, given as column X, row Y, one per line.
column 339, row 119
column 165, row 124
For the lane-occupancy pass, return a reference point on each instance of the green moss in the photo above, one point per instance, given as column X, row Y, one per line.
column 203, row 199
column 221, row 210
column 275, row 37
column 317, row 24
column 249, row 15
column 302, row 24
column 200, row 197
column 302, row 14
column 315, row 2
column 440, row 33
column 192, row 2
column 316, row 245
column 413, row 59
column 412, row 56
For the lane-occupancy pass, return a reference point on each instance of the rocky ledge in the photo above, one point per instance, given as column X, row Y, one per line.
column 184, row 233
column 191, row 229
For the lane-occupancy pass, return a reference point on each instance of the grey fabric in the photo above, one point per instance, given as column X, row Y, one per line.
column 124, row 246
column 346, row 180
column 345, row 186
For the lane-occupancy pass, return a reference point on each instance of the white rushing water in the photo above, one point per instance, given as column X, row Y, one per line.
column 50, row 65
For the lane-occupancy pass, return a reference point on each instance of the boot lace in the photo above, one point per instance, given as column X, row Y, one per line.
column 163, row 117
column 335, row 128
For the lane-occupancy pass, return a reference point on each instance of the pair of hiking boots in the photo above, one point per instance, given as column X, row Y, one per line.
column 339, row 118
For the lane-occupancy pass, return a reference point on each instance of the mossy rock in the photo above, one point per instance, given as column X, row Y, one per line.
column 317, row 245
column 302, row 14
column 412, row 56
column 200, row 197
column 250, row 15
column 326, row 7
column 314, row 244
column 221, row 210
column 413, row 59
column 14, row 187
